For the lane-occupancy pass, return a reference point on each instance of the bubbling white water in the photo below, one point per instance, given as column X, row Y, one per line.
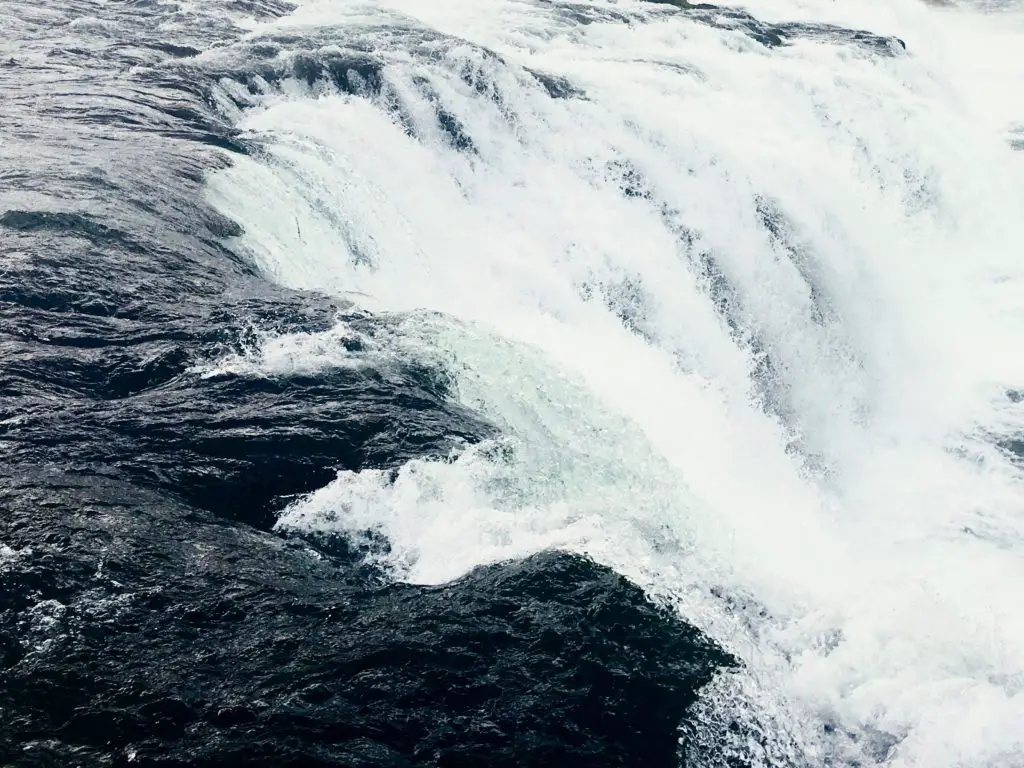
column 788, row 431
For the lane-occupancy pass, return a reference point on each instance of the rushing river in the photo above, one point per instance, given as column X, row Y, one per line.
column 730, row 300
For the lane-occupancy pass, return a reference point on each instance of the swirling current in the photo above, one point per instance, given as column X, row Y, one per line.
column 511, row 383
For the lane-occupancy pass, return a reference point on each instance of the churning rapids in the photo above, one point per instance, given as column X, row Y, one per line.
column 512, row 382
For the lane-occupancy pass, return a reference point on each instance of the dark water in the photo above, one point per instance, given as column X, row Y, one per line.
column 148, row 616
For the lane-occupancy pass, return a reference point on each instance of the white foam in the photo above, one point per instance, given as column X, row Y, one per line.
column 270, row 354
column 866, row 515
column 9, row 555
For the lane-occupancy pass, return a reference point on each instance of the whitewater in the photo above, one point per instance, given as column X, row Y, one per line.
column 749, row 321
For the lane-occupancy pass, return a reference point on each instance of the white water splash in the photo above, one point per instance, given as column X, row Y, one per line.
column 812, row 476
column 286, row 354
